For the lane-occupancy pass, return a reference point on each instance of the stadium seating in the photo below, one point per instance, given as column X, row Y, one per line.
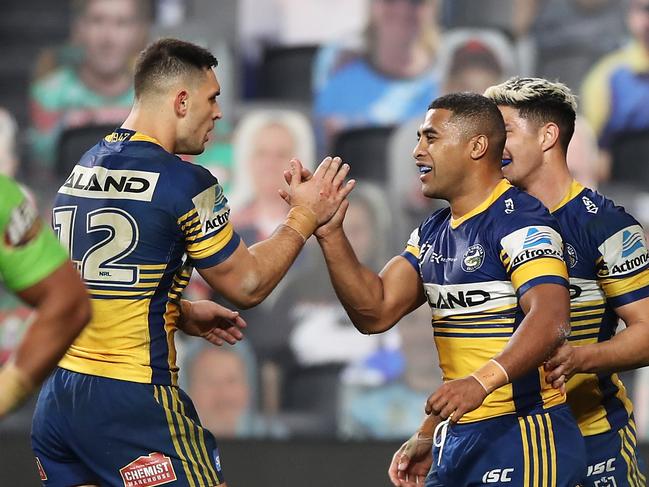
column 74, row 142
column 630, row 157
column 286, row 73
column 365, row 150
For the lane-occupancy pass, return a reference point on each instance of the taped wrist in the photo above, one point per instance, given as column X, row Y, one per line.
column 491, row 376
column 302, row 220
column 15, row 386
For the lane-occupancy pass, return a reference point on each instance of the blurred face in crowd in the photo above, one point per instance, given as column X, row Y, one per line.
column 401, row 21
column 273, row 147
column 220, row 390
column 359, row 229
column 201, row 110
column 474, row 79
column 523, row 147
column 111, row 32
column 442, row 154
column 638, row 19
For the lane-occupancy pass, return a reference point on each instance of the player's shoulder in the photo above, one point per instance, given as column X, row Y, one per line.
column 516, row 209
column 434, row 221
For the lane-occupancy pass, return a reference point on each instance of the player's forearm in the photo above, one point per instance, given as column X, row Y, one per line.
column 543, row 329
column 429, row 424
column 271, row 260
column 359, row 289
column 627, row 350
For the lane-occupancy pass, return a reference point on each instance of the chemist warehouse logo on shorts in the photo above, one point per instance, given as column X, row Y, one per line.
column 537, row 243
column 148, row 471
column 624, row 252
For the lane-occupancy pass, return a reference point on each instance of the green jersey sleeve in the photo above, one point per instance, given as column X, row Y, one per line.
column 29, row 251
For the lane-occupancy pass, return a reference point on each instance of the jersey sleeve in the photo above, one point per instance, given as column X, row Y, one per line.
column 29, row 250
column 204, row 221
column 412, row 250
column 531, row 250
column 623, row 259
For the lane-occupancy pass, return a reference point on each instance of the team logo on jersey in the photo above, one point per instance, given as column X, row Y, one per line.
column 570, row 255
column 41, row 470
column 536, row 237
column 590, row 206
column 148, row 471
column 473, row 258
column 509, row 206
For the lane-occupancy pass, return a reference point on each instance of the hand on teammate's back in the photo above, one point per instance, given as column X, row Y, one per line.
column 322, row 192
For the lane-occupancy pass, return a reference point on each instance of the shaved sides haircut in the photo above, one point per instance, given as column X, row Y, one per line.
column 540, row 101
column 477, row 115
column 166, row 60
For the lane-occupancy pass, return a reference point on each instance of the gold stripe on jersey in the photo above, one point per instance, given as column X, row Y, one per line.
column 544, row 449
column 614, row 287
column 184, row 219
column 538, row 267
column 174, row 436
column 535, row 452
column 139, row 137
column 152, row 267
column 498, row 191
column 553, row 452
column 171, row 314
column 110, row 346
column 199, row 446
column 631, row 477
column 573, row 192
column 526, row 451
column 211, row 245
column 412, row 249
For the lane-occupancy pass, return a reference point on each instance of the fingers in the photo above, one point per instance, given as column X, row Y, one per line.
column 340, row 176
column 555, row 374
column 288, row 177
column 392, row 470
column 323, row 167
column 347, row 189
column 332, row 170
column 296, row 172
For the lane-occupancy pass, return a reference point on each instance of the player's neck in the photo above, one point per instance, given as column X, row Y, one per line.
column 550, row 184
column 144, row 122
column 477, row 192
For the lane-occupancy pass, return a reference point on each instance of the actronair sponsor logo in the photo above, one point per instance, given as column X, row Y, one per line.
column 624, row 252
column 100, row 182
column 213, row 209
column 532, row 242
column 148, row 471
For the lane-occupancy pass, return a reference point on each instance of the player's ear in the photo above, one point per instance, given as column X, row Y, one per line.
column 181, row 103
column 550, row 134
column 478, row 146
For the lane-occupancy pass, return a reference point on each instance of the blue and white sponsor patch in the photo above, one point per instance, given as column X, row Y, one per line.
column 213, row 209
column 624, row 252
column 532, row 242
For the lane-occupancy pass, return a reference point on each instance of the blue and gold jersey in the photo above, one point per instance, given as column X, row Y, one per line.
column 608, row 264
column 474, row 270
column 136, row 220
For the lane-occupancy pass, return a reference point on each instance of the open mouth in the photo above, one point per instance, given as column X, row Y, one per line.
column 424, row 169
column 506, row 162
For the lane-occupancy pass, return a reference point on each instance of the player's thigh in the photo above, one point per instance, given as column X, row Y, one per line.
column 152, row 436
column 56, row 460
column 613, row 459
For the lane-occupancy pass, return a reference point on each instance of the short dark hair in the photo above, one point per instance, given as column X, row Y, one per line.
column 541, row 101
column 479, row 115
column 167, row 58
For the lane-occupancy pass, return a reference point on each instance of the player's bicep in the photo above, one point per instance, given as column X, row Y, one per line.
column 634, row 313
column 403, row 291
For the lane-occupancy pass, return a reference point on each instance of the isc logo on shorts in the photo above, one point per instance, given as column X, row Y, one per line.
column 148, row 471
column 497, row 475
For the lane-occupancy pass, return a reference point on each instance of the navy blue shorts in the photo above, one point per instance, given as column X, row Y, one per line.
column 613, row 460
column 94, row 430
column 544, row 450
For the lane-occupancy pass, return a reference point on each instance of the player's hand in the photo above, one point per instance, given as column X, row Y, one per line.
column 323, row 192
column 211, row 321
column 562, row 365
column 412, row 461
column 456, row 398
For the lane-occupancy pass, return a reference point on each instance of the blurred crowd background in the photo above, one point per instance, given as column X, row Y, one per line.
column 307, row 78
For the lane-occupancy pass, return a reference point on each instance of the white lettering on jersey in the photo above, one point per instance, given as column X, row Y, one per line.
column 213, row 209
column 497, row 475
column 624, row 252
column 529, row 243
column 509, row 206
column 590, row 206
column 456, row 299
column 100, row 182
